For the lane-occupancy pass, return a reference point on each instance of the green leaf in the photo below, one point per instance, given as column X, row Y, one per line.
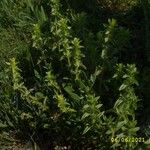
column 85, row 115
column 120, row 124
column 118, row 102
column 122, row 87
column 147, row 142
column 39, row 95
column 97, row 98
column 43, row 16
column 120, row 135
column 134, row 129
column 109, row 132
column 106, row 39
column 86, row 106
column 99, row 106
column 69, row 90
column 3, row 126
column 37, row 75
column 86, row 130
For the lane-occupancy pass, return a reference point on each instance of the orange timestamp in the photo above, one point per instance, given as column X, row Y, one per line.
column 128, row 139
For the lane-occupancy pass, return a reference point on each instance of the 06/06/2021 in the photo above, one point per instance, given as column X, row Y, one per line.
column 127, row 139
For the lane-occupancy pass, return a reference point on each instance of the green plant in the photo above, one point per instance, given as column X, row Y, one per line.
column 67, row 87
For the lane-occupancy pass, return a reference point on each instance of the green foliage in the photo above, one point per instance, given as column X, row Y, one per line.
column 63, row 80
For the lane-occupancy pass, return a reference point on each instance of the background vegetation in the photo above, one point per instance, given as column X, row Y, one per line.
column 74, row 74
